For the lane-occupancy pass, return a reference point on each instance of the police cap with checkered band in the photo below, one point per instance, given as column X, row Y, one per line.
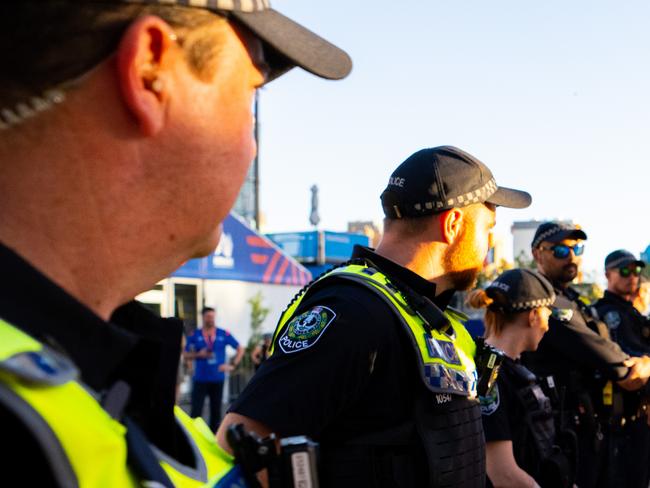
column 621, row 258
column 286, row 43
column 518, row 290
column 437, row 179
column 557, row 232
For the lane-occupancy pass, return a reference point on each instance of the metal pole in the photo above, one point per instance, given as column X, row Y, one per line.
column 256, row 169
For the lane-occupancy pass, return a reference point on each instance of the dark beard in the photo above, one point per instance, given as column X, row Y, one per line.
column 568, row 273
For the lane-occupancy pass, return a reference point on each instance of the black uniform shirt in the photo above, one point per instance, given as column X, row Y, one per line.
column 627, row 326
column 506, row 418
column 358, row 377
column 136, row 346
column 571, row 344
column 501, row 411
column 504, row 415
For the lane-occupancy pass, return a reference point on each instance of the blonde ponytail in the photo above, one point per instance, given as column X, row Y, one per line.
column 495, row 319
column 479, row 299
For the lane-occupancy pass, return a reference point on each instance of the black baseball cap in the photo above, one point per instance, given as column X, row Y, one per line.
column 440, row 178
column 621, row 258
column 556, row 232
column 287, row 44
column 517, row 290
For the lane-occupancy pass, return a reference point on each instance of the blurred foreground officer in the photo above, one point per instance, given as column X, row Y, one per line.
column 125, row 134
column 577, row 352
column 630, row 435
column 365, row 361
column 522, row 447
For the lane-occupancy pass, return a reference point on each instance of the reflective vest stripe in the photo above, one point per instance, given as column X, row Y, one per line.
column 92, row 441
column 446, row 359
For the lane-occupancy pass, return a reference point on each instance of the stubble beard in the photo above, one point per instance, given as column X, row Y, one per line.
column 459, row 264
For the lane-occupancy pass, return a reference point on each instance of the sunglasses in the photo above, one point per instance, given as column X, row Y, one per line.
column 627, row 271
column 562, row 251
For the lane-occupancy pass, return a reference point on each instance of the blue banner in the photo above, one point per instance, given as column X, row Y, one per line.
column 245, row 255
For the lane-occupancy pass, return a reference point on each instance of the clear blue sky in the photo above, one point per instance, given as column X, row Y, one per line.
column 553, row 96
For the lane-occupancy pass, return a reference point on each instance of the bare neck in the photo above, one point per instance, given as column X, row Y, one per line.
column 424, row 259
column 509, row 341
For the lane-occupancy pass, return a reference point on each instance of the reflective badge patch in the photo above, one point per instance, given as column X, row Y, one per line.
column 562, row 314
column 444, row 350
column 304, row 330
column 490, row 403
column 612, row 319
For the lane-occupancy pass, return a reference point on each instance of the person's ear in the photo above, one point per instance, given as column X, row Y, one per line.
column 536, row 251
column 143, row 63
column 533, row 318
column 451, row 224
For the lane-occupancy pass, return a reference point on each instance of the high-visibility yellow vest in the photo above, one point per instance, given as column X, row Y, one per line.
column 85, row 446
column 446, row 357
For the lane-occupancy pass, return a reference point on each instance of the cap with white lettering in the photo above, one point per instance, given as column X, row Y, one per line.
column 517, row 290
column 440, row 178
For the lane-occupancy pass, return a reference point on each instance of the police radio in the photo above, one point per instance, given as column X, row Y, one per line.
column 294, row 465
column 488, row 359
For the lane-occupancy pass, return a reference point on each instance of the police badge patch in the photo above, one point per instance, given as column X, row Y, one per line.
column 612, row 319
column 490, row 402
column 562, row 314
column 304, row 330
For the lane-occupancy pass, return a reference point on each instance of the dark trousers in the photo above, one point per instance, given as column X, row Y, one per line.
column 629, row 454
column 214, row 392
column 592, row 457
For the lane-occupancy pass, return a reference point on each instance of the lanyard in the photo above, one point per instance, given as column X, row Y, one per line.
column 209, row 340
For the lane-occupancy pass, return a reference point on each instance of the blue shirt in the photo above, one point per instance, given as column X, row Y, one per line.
column 207, row 370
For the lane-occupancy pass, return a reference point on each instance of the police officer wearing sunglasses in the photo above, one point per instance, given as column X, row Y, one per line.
column 629, row 432
column 578, row 354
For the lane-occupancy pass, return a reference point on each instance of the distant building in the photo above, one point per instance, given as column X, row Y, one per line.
column 522, row 236
column 367, row 228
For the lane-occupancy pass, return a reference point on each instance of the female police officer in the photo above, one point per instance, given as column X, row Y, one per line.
column 517, row 414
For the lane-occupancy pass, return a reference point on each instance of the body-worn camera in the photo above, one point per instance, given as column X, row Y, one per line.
column 488, row 359
column 293, row 465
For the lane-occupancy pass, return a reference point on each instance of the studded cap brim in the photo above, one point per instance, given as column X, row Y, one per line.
column 508, row 197
column 531, row 304
column 298, row 45
column 558, row 234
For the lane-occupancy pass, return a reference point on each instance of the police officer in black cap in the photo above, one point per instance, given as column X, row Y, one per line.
column 522, row 445
column 627, row 326
column 369, row 360
column 578, row 353
column 629, row 432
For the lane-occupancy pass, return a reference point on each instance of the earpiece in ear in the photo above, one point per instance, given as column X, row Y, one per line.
column 157, row 85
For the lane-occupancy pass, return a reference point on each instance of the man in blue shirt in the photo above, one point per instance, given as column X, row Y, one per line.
column 207, row 347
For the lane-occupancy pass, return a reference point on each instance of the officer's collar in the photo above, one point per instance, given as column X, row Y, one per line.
column 415, row 281
column 617, row 298
column 42, row 309
column 36, row 305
